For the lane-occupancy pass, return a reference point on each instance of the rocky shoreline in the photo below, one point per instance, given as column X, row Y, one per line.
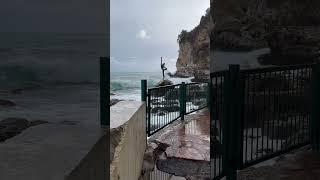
column 11, row 127
column 114, row 101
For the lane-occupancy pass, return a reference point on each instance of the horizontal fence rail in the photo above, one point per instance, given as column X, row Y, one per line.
column 257, row 114
column 165, row 104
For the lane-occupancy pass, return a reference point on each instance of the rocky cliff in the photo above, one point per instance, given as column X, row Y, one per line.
column 290, row 28
column 193, row 57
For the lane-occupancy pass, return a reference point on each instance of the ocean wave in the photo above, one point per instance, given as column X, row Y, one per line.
column 24, row 76
column 121, row 85
column 49, row 58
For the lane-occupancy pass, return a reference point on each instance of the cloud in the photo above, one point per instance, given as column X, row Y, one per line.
column 149, row 29
column 142, row 34
column 124, row 61
column 113, row 60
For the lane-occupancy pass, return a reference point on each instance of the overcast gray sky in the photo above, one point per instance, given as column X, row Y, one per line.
column 144, row 30
column 71, row 16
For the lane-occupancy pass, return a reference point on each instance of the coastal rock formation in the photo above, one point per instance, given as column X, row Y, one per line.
column 7, row 103
column 293, row 45
column 193, row 57
column 164, row 83
column 290, row 28
column 114, row 101
column 11, row 127
column 238, row 25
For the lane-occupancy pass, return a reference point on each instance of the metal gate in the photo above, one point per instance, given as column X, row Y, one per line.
column 165, row 104
column 258, row 114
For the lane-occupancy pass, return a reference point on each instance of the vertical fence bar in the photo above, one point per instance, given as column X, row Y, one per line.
column 209, row 94
column 104, row 91
column 231, row 121
column 182, row 100
column 149, row 115
column 240, row 120
column 315, row 113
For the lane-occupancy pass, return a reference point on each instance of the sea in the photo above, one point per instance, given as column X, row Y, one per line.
column 55, row 77
column 127, row 85
column 51, row 76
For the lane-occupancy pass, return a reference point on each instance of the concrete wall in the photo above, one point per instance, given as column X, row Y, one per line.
column 56, row 151
column 93, row 166
column 128, row 140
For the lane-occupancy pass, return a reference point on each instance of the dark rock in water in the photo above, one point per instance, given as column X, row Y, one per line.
column 170, row 74
column 112, row 94
column 199, row 102
column 114, row 101
column 294, row 45
column 11, row 127
column 17, row 91
column 200, row 79
column 172, row 94
column 71, row 123
column 7, row 103
column 181, row 75
column 162, row 91
column 37, row 122
column 196, row 95
column 20, row 123
column 164, row 83
column 165, row 109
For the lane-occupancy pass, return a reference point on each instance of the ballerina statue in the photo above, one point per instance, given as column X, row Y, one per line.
column 163, row 68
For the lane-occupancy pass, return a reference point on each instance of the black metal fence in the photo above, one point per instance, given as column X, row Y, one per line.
column 165, row 104
column 276, row 111
column 216, row 115
column 159, row 175
column 258, row 114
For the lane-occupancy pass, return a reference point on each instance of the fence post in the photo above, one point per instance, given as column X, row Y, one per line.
column 144, row 95
column 315, row 113
column 143, row 90
column 230, row 122
column 182, row 100
column 104, row 91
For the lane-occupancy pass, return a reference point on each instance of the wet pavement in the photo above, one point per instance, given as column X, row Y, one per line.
column 187, row 143
column 189, row 139
column 300, row 164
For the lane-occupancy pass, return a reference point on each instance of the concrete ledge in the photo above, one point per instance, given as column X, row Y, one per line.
column 128, row 140
column 55, row 152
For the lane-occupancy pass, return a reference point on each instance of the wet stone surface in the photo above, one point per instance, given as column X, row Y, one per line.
column 185, row 147
column 300, row 164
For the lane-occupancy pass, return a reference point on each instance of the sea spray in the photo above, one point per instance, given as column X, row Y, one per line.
column 127, row 85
